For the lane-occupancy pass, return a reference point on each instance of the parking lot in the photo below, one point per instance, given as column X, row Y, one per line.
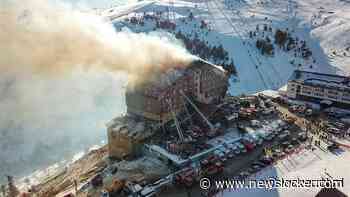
column 261, row 143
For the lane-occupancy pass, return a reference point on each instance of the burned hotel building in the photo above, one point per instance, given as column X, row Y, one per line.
column 157, row 99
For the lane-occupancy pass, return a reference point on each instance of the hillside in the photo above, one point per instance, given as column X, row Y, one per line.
column 231, row 23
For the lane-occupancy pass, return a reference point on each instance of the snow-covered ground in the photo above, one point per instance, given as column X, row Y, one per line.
column 322, row 24
column 306, row 165
column 329, row 23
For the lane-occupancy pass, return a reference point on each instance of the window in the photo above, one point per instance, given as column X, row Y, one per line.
column 307, row 88
column 346, row 94
column 319, row 94
column 319, row 89
column 346, row 99
column 332, row 97
column 334, row 92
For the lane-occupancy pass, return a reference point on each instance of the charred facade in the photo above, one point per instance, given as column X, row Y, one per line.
column 159, row 98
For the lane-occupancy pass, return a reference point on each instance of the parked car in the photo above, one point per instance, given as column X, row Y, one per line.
column 248, row 145
column 256, row 167
column 232, row 147
column 266, row 160
column 241, row 147
column 219, row 153
column 231, row 155
column 237, row 151
column 244, row 150
column 284, row 136
column 308, row 112
column 269, row 137
column 302, row 136
column 294, row 141
column 259, row 163
column 332, row 147
column 289, row 149
column 243, row 175
column 278, row 153
column 252, row 170
column 249, row 138
column 285, row 144
column 336, row 114
column 257, row 139
column 224, row 150
column 334, row 131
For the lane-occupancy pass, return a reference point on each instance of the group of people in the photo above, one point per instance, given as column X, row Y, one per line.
column 283, row 39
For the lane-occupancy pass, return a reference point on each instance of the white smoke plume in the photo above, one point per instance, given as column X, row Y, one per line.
column 52, row 38
column 59, row 76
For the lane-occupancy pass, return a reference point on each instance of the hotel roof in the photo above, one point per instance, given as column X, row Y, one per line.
column 321, row 79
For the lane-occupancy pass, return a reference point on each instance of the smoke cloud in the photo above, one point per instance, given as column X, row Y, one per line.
column 61, row 80
column 53, row 38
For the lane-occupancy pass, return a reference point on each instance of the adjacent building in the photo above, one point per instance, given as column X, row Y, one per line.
column 126, row 136
column 321, row 88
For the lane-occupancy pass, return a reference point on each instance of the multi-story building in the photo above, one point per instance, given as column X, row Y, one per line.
column 159, row 98
column 319, row 87
column 156, row 101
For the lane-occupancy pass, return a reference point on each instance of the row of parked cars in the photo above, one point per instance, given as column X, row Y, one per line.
column 286, row 146
column 230, row 150
column 249, row 141
column 256, row 166
column 336, row 128
column 246, row 144
column 287, row 143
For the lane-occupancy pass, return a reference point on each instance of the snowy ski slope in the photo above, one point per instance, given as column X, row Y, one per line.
column 324, row 25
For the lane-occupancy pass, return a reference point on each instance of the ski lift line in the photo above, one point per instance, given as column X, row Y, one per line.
column 210, row 13
column 172, row 10
column 241, row 38
column 250, row 57
column 259, row 55
column 243, row 21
